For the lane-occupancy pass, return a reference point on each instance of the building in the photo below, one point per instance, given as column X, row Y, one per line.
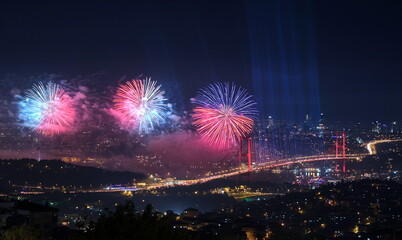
column 16, row 213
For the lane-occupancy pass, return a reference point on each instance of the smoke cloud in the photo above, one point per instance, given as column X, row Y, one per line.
column 97, row 139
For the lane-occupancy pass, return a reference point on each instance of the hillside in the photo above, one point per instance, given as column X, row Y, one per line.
column 48, row 173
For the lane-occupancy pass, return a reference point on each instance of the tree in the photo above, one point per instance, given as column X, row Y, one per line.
column 126, row 223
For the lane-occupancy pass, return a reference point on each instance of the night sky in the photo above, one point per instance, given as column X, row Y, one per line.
column 343, row 58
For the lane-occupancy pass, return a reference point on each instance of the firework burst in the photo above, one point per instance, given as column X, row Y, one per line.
column 224, row 114
column 47, row 109
column 140, row 105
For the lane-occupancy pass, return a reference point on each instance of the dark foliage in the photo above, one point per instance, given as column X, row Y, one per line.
column 126, row 223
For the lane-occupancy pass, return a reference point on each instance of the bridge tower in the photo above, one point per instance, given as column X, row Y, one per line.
column 339, row 146
column 245, row 141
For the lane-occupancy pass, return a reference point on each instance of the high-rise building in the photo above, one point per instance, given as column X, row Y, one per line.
column 393, row 127
column 322, row 118
column 308, row 123
column 376, row 127
column 270, row 122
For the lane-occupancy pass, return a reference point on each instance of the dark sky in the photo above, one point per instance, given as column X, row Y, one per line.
column 354, row 48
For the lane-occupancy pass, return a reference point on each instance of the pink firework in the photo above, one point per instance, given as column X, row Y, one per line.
column 47, row 109
column 224, row 114
column 140, row 105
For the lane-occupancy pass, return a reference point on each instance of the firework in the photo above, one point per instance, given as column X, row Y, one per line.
column 140, row 105
column 47, row 109
column 224, row 114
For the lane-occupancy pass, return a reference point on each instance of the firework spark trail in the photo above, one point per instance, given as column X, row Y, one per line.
column 47, row 109
column 140, row 104
column 224, row 114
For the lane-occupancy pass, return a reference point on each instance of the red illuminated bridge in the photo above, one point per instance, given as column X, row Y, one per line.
column 340, row 156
